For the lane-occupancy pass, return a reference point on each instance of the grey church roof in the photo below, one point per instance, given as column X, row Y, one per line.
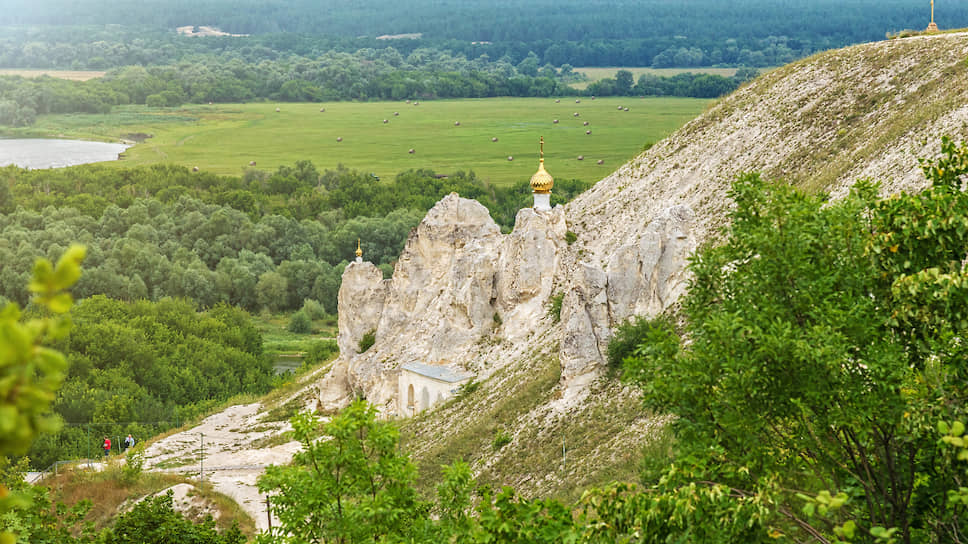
column 442, row 373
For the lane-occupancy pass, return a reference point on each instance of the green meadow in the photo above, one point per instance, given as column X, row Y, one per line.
column 226, row 138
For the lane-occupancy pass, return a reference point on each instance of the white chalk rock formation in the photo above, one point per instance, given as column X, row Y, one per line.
column 647, row 276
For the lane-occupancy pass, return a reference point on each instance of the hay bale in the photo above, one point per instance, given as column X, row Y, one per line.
column 278, row 110
column 411, row 151
column 385, row 121
column 396, row 113
column 456, row 123
column 576, row 114
column 600, row 161
column 585, row 124
column 194, row 169
column 493, row 139
column 620, row 108
column 588, row 132
column 339, row 138
column 251, row 163
column 321, row 110
column 581, row 157
column 510, row 158
column 626, row 108
column 555, row 121
column 578, row 101
column 558, row 101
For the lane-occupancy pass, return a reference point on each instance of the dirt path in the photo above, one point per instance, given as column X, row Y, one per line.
column 233, row 447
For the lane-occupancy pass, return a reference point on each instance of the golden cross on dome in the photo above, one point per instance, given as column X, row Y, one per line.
column 359, row 250
column 542, row 140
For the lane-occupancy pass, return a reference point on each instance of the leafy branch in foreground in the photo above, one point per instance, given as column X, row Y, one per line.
column 825, row 340
column 31, row 373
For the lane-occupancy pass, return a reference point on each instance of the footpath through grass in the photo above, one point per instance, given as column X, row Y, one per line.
column 226, row 138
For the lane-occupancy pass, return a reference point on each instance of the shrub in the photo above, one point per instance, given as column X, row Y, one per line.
column 367, row 341
column 300, row 323
column 320, row 351
column 554, row 307
column 313, row 309
column 570, row 237
column 501, row 438
column 629, row 336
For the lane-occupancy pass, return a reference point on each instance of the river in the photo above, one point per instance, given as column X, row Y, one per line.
column 47, row 153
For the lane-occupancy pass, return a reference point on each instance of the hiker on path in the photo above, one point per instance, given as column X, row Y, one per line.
column 107, row 446
column 128, row 442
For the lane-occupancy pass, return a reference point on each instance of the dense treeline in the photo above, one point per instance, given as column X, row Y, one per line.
column 623, row 33
column 264, row 240
column 691, row 85
column 383, row 74
column 142, row 367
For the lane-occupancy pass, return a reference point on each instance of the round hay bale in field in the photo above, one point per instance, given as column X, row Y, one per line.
column 194, row 169
column 411, row 151
column 278, row 110
column 510, row 158
column 396, row 113
column 456, row 123
column 321, row 110
column 626, row 108
column 408, row 101
column 555, row 121
column 620, row 108
column 578, row 101
column 251, row 163
column 588, row 132
column 416, row 103
column 600, row 161
column 385, row 121
column 585, row 124
column 493, row 139
column 339, row 138
column 593, row 97
column 575, row 114
column 558, row 101
column 581, row 157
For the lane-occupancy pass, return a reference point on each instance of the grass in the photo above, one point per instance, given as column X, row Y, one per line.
column 505, row 430
column 598, row 73
column 225, row 138
column 73, row 75
column 109, row 492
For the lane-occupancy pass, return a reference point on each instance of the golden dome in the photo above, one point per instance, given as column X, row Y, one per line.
column 359, row 250
column 541, row 181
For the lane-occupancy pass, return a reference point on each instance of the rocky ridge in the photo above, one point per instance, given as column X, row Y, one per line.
column 465, row 295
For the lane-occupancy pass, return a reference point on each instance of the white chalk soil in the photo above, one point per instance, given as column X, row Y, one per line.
column 224, row 450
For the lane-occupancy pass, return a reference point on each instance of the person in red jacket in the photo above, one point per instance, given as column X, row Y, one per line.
column 107, row 446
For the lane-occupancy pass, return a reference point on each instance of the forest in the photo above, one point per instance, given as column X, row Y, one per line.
column 624, row 33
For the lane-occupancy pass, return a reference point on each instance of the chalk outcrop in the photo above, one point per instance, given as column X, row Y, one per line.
column 460, row 283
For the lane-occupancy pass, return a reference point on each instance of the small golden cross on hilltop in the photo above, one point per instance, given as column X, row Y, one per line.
column 932, row 27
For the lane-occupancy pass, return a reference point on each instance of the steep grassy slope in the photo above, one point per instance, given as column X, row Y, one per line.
column 866, row 111
column 822, row 123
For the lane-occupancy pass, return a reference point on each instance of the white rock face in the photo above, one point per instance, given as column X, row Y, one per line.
column 647, row 276
column 361, row 298
column 528, row 265
column 585, row 324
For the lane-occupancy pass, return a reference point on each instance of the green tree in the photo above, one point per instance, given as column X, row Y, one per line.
column 31, row 373
column 155, row 520
column 824, row 345
column 353, row 485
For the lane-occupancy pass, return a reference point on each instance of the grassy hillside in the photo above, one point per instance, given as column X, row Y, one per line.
column 226, row 138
